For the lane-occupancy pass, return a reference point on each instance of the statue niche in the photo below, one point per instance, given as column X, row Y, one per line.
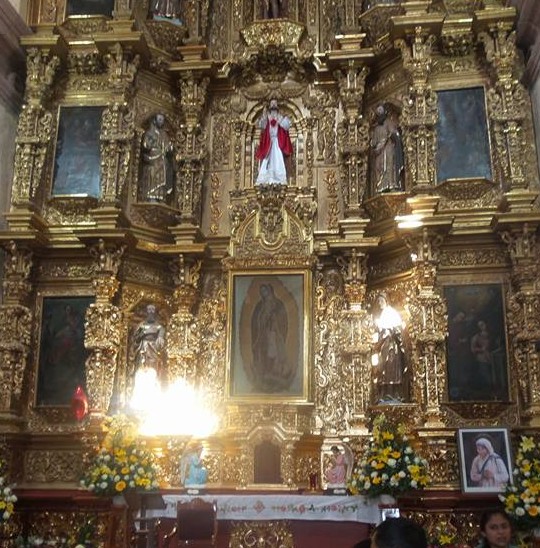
column 157, row 165
column 266, row 463
column 271, row 9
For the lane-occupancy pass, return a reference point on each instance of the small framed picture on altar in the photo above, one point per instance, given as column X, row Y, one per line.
column 268, row 337
column 484, row 459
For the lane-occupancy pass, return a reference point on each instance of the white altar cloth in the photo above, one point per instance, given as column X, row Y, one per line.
column 277, row 507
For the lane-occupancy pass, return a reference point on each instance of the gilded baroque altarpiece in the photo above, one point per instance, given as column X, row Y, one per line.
column 326, row 243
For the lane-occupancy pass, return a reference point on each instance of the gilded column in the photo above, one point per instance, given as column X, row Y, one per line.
column 103, row 321
column 196, row 19
column 507, row 103
column 419, row 113
column 16, row 326
column 182, row 337
column 330, row 399
column 427, row 328
column 191, row 155
column 118, row 127
column 35, row 127
column 357, row 337
column 524, row 313
column 353, row 137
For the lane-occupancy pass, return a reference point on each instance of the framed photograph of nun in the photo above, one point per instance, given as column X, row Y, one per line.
column 484, row 459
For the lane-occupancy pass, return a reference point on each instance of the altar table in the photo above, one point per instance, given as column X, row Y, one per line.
column 244, row 507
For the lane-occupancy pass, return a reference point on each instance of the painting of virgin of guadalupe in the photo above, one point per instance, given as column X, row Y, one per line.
column 267, row 343
column 62, row 353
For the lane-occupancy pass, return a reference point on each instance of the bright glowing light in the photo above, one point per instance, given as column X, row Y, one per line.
column 179, row 410
column 146, row 389
column 409, row 221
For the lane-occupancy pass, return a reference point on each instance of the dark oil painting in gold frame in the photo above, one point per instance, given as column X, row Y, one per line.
column 77, row 160
column 62, row 354
column 476, row 346
column 268, row 335
column 89, row 7
column 463, row 150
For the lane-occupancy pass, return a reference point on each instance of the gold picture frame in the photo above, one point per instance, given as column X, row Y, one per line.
column 62, row 353
column 268, row 335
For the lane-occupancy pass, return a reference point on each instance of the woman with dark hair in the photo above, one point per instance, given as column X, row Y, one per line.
column 488, row 468
column 495, row 530
column 398, row 533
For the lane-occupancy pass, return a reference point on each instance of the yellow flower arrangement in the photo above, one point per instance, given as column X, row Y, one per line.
column 442, row 534
column 7, row 500
column 122, row 462
column 522, row 499
column 389, row 465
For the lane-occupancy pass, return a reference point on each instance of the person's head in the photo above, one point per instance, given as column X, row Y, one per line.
column 380, row 113
column 495, row 528
column 381, row 300
column 273, row 104
column 398, row 533
column 484, row 447
column 151, row 311
column 266, row 291
column 159, row 120
column 335, row 449
column 482, row 326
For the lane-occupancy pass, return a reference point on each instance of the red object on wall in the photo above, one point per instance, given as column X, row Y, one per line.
column 79, row 403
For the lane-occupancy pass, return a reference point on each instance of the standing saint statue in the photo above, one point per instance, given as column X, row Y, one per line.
column 391, row 376
column 274, row 146
column 386, row 153
column 273, row 9
column 147, row 348
column 157, row 169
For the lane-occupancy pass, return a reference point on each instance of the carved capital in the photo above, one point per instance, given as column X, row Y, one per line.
column 416, row 51
column 122, row 67
column 41, row 67
column 18, row 265
column 193, row 93
column 107, row 259
column 351, row 85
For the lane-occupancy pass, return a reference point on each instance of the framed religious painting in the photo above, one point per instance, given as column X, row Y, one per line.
column 62, row 354
column 484, row 459
column 463, row 150
column 77, row 158
column 268, row 346
column 477, row 357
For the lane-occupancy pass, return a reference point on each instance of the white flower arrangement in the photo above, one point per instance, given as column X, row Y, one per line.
column 389, row 464
column 123, row 462
column 7, row 500
column 522, row 499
